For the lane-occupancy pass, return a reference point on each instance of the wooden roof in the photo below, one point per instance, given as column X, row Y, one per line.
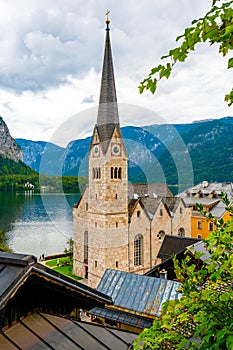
column 174, row 244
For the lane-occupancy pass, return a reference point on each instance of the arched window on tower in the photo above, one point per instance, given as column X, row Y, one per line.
column 115, row 173
column 138, row 250
column 86, row 247
column 96, row 173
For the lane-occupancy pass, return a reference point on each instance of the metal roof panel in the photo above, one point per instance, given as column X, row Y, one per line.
column 136, row 292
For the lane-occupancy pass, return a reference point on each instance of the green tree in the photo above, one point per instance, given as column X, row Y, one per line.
column 69, row 250
column 203, row 317
column 216, row 27
column 4, row 243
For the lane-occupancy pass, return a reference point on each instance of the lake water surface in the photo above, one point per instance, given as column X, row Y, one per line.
column 37, row 223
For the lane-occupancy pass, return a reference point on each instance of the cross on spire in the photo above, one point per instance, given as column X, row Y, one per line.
column 107, row 21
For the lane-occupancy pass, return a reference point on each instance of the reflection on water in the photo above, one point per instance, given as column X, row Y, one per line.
column 37, row 224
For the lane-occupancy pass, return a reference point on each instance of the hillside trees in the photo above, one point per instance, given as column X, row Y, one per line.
column 202, row 318
column 216, row 27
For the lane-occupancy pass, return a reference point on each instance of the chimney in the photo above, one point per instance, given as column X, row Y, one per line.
column 163, row 274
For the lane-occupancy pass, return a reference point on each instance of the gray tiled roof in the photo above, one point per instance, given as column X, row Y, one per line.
column 151, row 190
column 150, row 205
column 219, row 209
column 209, row 191
column 172, row 203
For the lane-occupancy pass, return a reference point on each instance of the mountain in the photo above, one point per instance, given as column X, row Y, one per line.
column 8, row 146
column 11, row 154
column 44, row 157
column 171, row 153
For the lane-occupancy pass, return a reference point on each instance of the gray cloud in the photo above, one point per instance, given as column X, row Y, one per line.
column 42, row 48
column 89, row 99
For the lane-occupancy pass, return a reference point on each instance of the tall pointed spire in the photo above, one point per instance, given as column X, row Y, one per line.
column 108, row 115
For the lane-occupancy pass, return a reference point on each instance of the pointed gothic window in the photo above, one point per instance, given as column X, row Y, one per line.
column 96, row 173
column 119, row 173
column 115, row 173
column 138, row 243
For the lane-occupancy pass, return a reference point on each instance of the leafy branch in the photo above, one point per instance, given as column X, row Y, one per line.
column 215, row 27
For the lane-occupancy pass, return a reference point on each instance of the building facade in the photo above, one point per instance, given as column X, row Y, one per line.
column 209, row 196
column 118, row 226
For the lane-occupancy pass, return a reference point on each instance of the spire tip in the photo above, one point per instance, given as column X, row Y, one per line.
column 107, row 21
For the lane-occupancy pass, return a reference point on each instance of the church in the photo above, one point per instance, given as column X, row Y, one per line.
column 118, row 225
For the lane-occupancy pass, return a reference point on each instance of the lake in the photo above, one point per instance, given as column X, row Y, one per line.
column 37, row 223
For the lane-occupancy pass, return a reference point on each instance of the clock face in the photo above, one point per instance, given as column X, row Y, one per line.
column 96, row 151
column 116, row 149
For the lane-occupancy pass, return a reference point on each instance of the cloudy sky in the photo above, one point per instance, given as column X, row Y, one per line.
column 51, row 60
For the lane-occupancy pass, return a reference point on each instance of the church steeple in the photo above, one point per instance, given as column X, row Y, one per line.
column 101, row 225
column 108, row 116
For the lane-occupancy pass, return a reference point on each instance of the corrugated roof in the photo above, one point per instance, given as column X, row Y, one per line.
column 44, row 331
column 122, row 317
column 201, row 248
column 137, row 293
column 174, row 244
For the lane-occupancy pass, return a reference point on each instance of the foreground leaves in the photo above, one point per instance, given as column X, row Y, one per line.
column 215, row 27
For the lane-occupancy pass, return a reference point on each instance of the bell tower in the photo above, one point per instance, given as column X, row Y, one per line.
column 101, row 216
